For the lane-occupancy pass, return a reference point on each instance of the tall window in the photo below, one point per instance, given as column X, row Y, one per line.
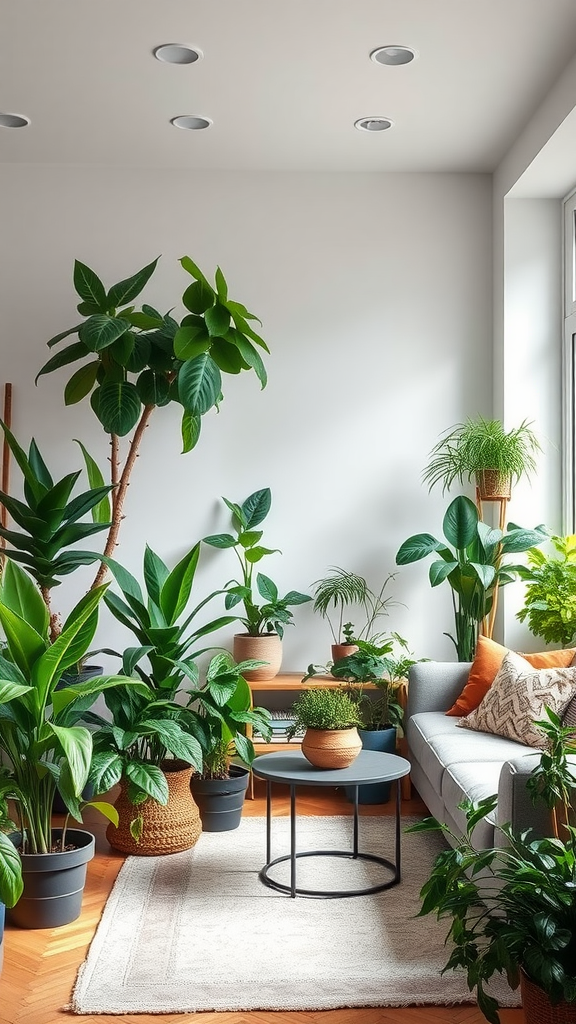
column 569, row 366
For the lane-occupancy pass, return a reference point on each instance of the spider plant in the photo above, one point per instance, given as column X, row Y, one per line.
column 477, row 445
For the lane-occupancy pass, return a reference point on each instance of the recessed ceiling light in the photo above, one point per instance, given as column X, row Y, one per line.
column 13, row 121
column 193, row 122
column 177, row 53
column 373, row 124
column 393, row 55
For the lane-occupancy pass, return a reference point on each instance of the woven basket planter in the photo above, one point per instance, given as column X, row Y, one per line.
column 267, row 647
column 331, row 748
column 539, row 1010
column 493, row 485
column 168, row 828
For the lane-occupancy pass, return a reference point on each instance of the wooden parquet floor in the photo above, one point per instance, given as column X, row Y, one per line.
column 40, row 966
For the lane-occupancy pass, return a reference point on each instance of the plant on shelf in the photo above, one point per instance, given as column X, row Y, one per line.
column 512, row 908
column 329, row 719
column 340, row 591
column 474, row 567
column 377, row 665
column 137, row 360
column 265, row 612
column 550, row 596
column 482, row 450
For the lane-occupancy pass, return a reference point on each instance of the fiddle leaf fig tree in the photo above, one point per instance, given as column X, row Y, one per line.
column 134, row 360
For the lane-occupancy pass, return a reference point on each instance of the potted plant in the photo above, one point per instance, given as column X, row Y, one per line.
column 224, row 705
column 512, row 907
column 265, row 613
column 381, row 714
column 136, row 360
column 550, row 596
column 11, row 883
column 43, row 747
column 482, row 450
column 474, row 567
column 340, row 591
column 329, row 719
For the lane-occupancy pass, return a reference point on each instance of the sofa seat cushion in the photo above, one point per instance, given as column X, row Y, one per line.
column 437, row 743
column 473, row 780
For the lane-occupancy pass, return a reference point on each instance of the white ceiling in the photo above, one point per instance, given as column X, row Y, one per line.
column 283, row 81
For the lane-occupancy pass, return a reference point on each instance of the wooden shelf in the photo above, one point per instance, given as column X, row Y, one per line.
column 294, row 681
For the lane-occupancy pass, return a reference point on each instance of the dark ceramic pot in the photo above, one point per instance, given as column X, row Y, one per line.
column 220, row 801
column 383, row 740
column 53, row 883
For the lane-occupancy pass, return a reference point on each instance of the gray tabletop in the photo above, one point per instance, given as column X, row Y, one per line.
column 293, row 767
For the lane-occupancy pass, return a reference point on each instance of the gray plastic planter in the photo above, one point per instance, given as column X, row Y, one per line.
column 220, row 801
column 53, row 883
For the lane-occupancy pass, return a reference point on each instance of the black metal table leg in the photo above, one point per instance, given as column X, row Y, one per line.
column 293, row 842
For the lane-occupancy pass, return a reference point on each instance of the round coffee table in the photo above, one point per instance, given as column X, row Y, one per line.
column 293, row 769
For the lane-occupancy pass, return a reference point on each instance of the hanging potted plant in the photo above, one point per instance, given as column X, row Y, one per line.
column 329, row 719
column 265, row 613
column 224, row 707
column 483, row 451
column 339, row 592
column 513, row 908
column 43, row 747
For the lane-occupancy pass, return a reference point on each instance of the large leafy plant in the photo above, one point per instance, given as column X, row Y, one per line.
column 474, row 566
column 550, row 596
column 272, row 613
column 513, row 907
column 41, row 743
column 11, row 884
column 224, row 705
column 384, row 667
column 49, row 518
column 135, row 360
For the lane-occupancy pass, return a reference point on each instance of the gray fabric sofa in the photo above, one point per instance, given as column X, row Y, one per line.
column 450, row 763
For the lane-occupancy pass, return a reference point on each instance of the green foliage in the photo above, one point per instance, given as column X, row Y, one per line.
column 342, row 590
column 11, row 884
column 273, row 614
column 321, row 708
column 528, row 884
column 41, row 744
column 474, row 566
column 480, row 444
column 550, row 597
column 383, row 666
column 140, row 357
column 49, row 518
column 224, row 705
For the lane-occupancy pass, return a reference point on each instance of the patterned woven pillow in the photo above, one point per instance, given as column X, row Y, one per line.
column 569, row 717
column 517, row 699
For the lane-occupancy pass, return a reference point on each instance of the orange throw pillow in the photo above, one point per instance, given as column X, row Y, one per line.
column 488, row 659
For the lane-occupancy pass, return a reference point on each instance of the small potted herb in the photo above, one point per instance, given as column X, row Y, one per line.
column 329, row 719
column 266, row 614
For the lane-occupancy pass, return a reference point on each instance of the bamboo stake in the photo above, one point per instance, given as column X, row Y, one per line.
column 7, row 417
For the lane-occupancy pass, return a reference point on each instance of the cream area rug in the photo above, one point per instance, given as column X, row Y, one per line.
column 199, row 931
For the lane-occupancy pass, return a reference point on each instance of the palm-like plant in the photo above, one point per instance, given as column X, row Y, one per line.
column 478, row 445
column 340, row 591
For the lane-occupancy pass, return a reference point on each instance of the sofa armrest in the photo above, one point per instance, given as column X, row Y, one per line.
column 435, row 685
column 514, row 802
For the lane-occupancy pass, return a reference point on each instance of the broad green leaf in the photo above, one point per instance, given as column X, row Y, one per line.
column 67, row 355
column 249, row 354
column 220, row 540
column 48, row 668
column 199, row 384
column 23, row 463
column 439, row 571
column 244, row 327
column 128, row 289
column 100, row 331
column 217, row 320
column 21, row 595
column 88, row 285
column 521, row 540
column 38, row 466
column 106, row 809
column 121, row 350
column 221, row 285
column 143, row 321
column 227, row 356
column 119, row 407
column 149, row 778
column 485, row 573
column 294, row 597
column 415, row 548
column 105, row 770
column 256, row 507
column 76, row 742
column 64, row 334
column 101, row 512
column 190, row 342
column 9, row 690
column 267, row 588
column 177, row 587
column 198, row 296
column 81, row 383
column 153, row 388
column 190, row 267
column 11, row 884
column 190, row 431
column 156, row 573
column 138, row 359
column 258, row 552
column 461, row 522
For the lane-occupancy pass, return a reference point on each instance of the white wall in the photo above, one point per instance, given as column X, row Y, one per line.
column 375, row 297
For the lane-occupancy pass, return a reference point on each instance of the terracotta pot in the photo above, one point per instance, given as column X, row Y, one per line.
column 539, row 1010
column 493, row 485
column 168, row 828
column 340, row 651
column 331, row 748
column 267, row 647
